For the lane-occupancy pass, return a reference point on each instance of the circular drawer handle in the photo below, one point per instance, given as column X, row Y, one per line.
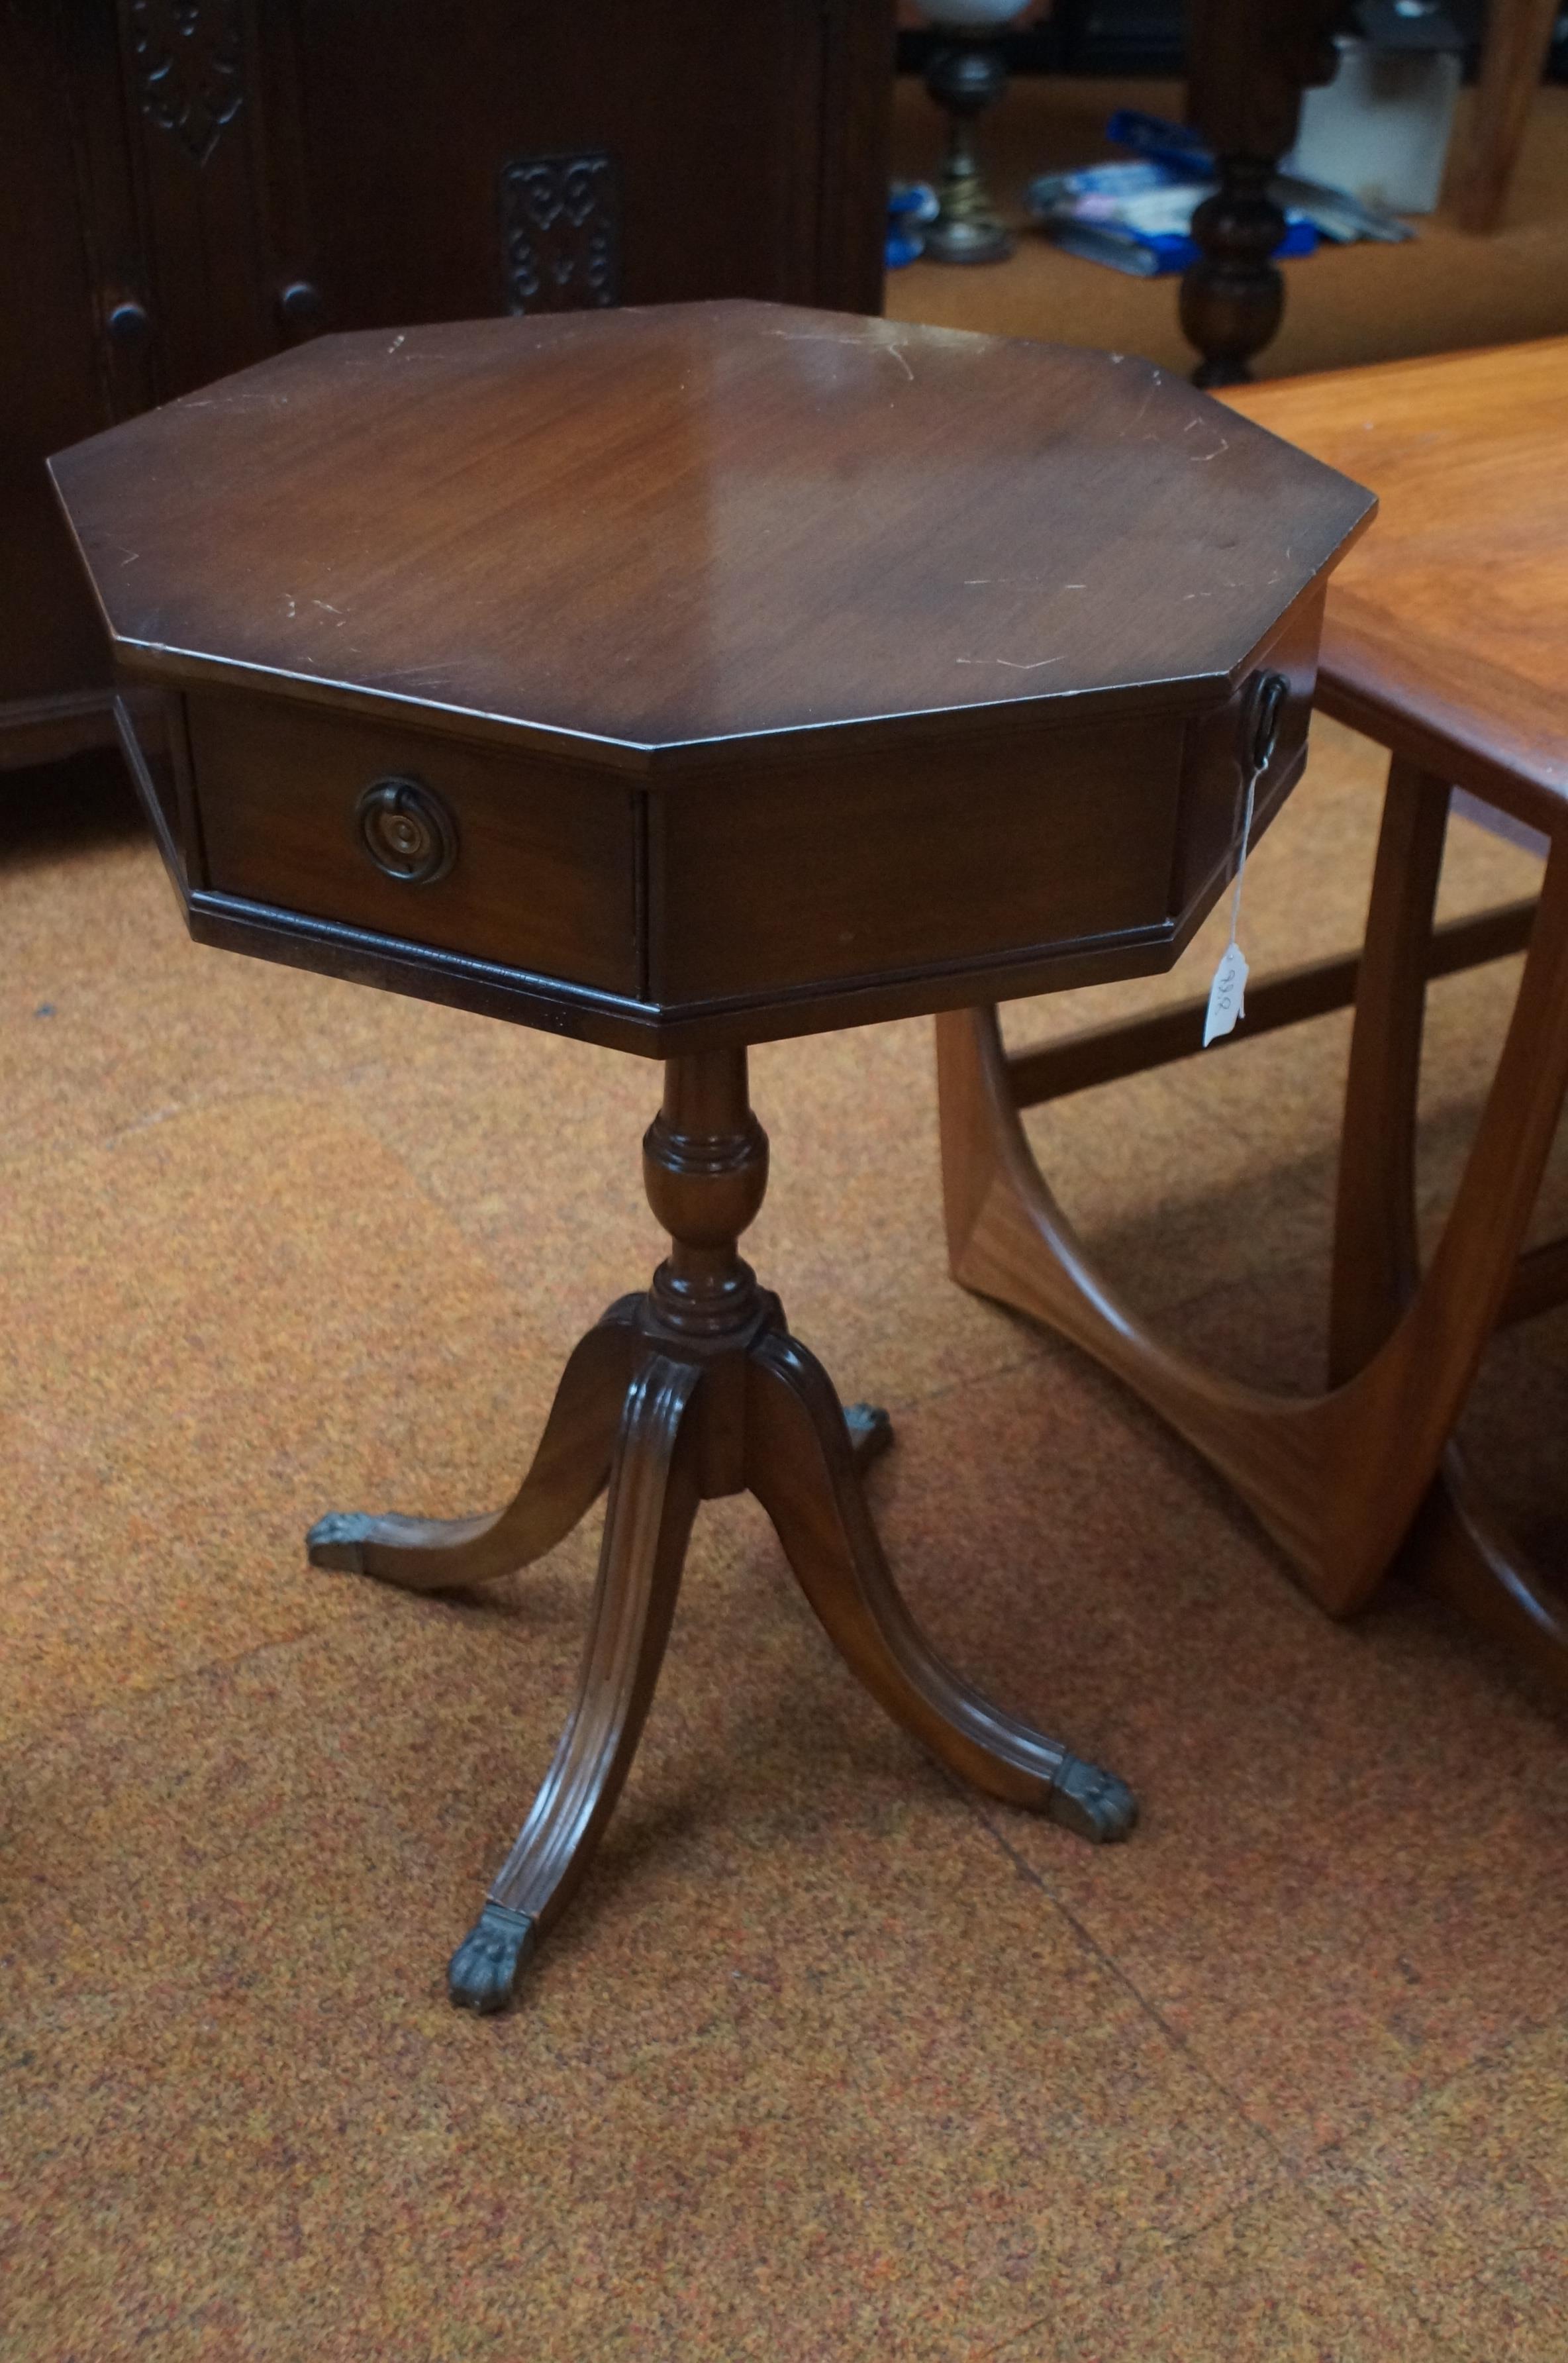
column 1268, row 705
column 406, row 830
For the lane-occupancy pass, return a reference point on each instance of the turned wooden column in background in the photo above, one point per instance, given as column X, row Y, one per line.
column 1247, row 68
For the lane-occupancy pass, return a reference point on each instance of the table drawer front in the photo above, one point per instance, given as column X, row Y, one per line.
column 505, row 858
column 846, row 867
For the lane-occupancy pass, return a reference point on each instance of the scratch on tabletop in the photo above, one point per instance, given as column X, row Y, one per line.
column 824, row 337
column 1015, row 664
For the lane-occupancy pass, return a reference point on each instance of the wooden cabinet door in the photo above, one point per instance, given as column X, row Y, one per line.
column 68, row 258
column 152, row 226
column 212, row 105
column 185, row 185
column 519, row 153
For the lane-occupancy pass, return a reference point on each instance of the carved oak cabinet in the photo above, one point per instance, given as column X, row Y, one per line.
column 188, row 185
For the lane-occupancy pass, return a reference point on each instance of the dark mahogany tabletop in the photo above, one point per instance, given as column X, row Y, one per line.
column 696, row 521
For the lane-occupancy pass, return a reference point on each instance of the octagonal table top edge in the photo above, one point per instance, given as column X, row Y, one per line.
column 816, row 514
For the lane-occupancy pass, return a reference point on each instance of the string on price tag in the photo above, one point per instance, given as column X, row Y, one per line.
column 1226, row 995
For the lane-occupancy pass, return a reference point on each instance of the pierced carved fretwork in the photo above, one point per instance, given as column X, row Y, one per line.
column 190, row 68
column 560, row 232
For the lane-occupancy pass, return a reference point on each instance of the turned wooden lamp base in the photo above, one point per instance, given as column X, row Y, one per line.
column 692, row 1391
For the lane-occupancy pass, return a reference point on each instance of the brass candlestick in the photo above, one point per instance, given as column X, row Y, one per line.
column 967, row 75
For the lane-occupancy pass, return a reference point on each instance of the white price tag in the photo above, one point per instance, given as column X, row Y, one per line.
column 1226, row 995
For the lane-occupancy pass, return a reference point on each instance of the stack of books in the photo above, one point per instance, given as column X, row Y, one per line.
column 1137, row 217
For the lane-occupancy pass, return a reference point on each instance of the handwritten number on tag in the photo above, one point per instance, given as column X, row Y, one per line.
column 1226, row 995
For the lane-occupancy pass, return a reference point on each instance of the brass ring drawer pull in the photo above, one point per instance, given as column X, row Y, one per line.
column 1267, row 707
column 406, row 830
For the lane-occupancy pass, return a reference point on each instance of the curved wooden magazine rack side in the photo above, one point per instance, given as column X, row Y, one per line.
column 1338, row 1478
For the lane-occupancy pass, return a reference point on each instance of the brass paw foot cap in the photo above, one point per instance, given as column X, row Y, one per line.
column 337, row 1541
column 483, row 1974
column 870, row 1430
column 1093, row 1803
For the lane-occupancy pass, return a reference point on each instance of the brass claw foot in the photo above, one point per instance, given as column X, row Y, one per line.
column 1093, row 1803
column 337, row 1541
column 870, row 1432
column 483, row 1973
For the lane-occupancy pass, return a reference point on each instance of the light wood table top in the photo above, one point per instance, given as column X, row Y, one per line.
column 1446, row 625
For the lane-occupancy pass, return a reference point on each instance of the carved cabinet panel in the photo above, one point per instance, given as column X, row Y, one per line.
column 187, row 185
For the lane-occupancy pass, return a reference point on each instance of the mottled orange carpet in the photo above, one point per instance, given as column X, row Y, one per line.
column 828, row 2059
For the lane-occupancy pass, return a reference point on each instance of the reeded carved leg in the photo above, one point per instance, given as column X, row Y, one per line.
column 653, row 1497
column 798, row 1468
column 569, row 1473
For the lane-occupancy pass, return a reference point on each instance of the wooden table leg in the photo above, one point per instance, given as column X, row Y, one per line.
column 1246, row 69
column 1377, row 1263
column 690, row 1392
column 569, row 1472
column 653, row 1500
column 799, row 1470
column 1457, row 1542
column 1232, row 297
column 1519, row 35
column 1338, row 1478
column 1464, row 1551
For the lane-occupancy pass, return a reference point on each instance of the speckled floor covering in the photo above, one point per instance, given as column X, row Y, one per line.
column 829, row 2060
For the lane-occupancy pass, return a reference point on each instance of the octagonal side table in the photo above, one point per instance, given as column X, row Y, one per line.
column 679, row 680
